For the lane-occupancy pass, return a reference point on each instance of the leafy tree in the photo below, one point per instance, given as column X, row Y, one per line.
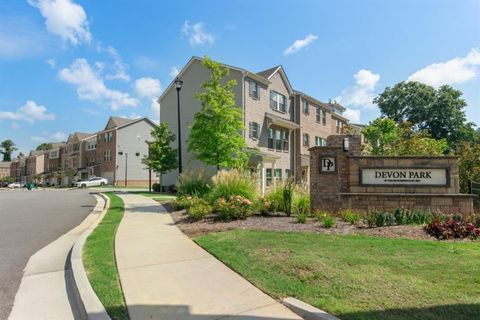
column 439, row 111
column 469, row 163
column 44, row 146
column 161, row 157
column 385, row 137
column 216, row 134
column 7, row 147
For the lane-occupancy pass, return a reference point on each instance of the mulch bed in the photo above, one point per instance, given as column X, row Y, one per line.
column 280, row 222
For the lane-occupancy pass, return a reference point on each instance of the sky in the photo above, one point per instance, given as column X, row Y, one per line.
column 67, row 65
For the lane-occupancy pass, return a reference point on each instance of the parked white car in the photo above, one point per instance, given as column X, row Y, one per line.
column 92, row 182
column 14, row 185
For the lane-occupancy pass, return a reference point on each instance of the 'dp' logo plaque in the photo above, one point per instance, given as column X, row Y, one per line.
column 328, row 164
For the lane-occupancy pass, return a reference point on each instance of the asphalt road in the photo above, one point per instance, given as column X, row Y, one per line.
column 29, row 220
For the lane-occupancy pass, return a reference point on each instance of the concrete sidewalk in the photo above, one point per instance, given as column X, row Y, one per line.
column 165, row 275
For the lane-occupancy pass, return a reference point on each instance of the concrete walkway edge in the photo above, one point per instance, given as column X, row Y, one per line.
column 90, row 305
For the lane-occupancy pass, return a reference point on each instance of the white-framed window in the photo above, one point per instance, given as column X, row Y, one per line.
column 305, row 106
column 270, row 138
column 268, row 177
column 278, row 174
column 324, row 117
column 338, row 126
column 253, row 130
column 318, row 112
column 277, row 101
column 285, row 140
column 306, row 140
column 107, row 156
column 278, row 140
column 253, row 90
column 320, row 142
column 287, row 173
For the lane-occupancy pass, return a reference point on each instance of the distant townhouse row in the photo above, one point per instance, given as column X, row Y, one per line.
column 114, row 153
column 281, row 122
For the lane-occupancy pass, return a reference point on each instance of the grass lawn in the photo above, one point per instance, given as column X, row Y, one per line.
column 100, row 264
column 155, row 195
column 358, row 277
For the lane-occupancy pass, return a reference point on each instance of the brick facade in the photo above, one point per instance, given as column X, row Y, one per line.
column 343, row 188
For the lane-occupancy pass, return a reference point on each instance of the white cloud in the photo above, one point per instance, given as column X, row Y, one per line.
column 174, row 72
column 155, row 106
column 65, row 19
column 118, row 71
column 352, row 115
column 197, row 33
column 148, row 87
column 29, row 112
column 50, row 137
column 91, row 87
column 300, row 44
column 362, row 93
column 457, row 70
column 52, row 63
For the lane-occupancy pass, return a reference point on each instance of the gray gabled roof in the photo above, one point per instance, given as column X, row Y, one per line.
column 114, row 122
column 267, row 73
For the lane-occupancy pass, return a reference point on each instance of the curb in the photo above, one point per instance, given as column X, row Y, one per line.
column 307, row 311
column 88, row 302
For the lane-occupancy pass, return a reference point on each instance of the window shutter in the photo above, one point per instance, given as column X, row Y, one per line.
column 250, row 129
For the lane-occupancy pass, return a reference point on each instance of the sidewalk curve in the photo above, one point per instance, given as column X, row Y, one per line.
column 165, row 275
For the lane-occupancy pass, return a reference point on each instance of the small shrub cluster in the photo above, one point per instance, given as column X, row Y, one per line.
column 233, row 183
column 262, row 206
column 275, row 197
column 350, row 216
column 199, row 209
column 301, row 204
column 193, row 183
column 183, row 202
column 156, row 187
column 301, row 218
column 399, row 217
column 329, row 222
column 325, row 218
column 452, row 229
column 235, row 207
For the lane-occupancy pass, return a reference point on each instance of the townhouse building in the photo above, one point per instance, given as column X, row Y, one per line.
column 34, row 166
column 5, row 169
column 280, row 122
column 120, row 148
column 53, row 165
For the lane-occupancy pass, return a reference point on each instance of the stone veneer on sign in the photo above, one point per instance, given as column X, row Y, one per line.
column 343, row 188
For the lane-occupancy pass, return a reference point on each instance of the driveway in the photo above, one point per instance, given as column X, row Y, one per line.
column 29, row 220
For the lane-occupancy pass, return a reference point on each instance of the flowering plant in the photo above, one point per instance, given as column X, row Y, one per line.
column 452, row 229
column 234, row 207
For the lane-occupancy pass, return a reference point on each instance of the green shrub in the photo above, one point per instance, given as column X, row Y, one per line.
column 302, row 204
column 389, row 218
column 320, row 214
column 275, row 197
column 193, row 183
column 379, row 218
column 183, row 202
column 301, row 218
column 199, row 209
column 370, row 219
column 288, row 196
column 156, row 187
column 233, row 183
column 350, row 216
column 233, row 208
column 329, row 222
column 400, row 216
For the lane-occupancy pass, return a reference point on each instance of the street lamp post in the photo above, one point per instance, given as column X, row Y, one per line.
column 178, row 85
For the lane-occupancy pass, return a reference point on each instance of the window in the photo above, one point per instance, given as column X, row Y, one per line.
column 318, row 114
column 305, row 106
column 253, row 89
column 287, row 173
column 277, row 101
column 110, row 136
column 324, row 117
column 320, row 142
column 270, row 138
column 268, row 176
column 338, row 125
column 285, row 140
column 278, row 140
column 278, row 174
column 253, row 130
column 306, row 140
column 107, row 156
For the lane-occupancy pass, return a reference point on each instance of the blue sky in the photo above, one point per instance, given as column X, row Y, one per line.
column 67, row 65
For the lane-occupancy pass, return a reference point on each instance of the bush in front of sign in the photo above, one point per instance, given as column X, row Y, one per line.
column 452, row 229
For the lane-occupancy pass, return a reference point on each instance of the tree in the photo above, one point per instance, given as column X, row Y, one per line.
column 216, row 134
column 161, row 156
column 385, row 137
column 44, row 146
column 8, row 147
column 439, row 111
column 468, row 163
